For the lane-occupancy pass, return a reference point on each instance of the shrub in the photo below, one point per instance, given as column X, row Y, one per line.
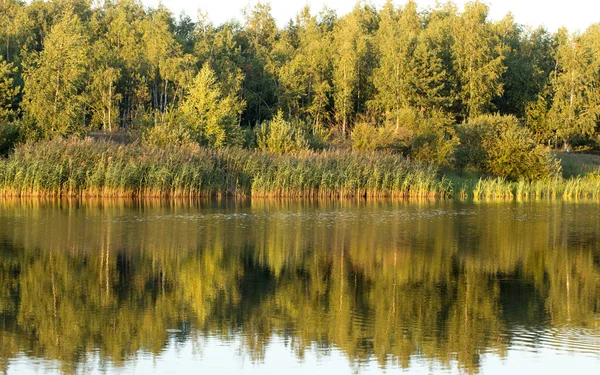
column 435, row 140
column 168, row 129
column 427, row 137
column 501, row 146
column 279, row 136
column 367, row 137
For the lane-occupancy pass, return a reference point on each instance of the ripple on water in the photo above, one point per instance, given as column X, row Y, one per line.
column 582, row 341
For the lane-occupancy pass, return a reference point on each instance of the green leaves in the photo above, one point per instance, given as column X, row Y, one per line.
column 477, row 59
column 499, row 145
column 211, row 113
column 55, row 78
column 8, row 91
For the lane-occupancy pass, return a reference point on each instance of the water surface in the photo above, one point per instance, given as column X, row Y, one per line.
column 264, row 286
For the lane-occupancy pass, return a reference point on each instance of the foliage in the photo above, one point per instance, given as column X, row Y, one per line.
column 575, row 107
column 501, row 146
column 280, row 137
column 435, row 140
column 213, row 116
column 8, row 91
column 428, row 138
column 368, row 137
column 478, row 60
column 169, row 129
column 402, row 76
column 55, row 78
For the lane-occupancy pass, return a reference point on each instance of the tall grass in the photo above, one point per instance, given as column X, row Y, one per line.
column 98, row 168
column 500, row 188
column 105, row 169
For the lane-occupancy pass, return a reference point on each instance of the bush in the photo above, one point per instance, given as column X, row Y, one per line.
column 168, row 129
column 435, row 140
column 367, row 137
column 501, row 146
column 164, row 135
column 425, row 137
column 279, row 136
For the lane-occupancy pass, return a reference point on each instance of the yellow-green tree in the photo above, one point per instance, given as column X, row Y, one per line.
column 212, row 114
column 478, row 60
column 54, row 79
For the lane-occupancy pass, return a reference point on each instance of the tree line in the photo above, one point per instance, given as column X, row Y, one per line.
column 398, row 76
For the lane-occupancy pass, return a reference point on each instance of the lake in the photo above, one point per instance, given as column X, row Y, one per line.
column 272, row 286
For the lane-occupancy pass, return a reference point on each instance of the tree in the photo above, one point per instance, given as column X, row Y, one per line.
column 164, row 56
column 212, row 115
column 55, row 78
column 219, row 48
column 353, row 44
column 8, row 91
column 478, row 60
column 305, row 75
column 575, row 110
column 396, row 41
column 260, row 84
column 528, row 61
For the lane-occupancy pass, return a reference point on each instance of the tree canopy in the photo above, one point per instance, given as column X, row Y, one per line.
column 75, row 67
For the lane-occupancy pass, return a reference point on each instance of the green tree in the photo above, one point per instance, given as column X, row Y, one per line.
column 529, row 62
column 260, row 83
column 411, row 73
column 122, row 24
column 396, row 42
column 213, row 115
column 478, row 60
column 8, row 91
column 305, row 69
column 353, row 44
column 55, row 78
column 575, row 110
column 103, row 95
column 219, row 48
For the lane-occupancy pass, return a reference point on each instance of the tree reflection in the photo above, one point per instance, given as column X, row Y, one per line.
column 380, row 281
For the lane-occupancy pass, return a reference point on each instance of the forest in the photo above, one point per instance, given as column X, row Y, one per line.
column 439, row 87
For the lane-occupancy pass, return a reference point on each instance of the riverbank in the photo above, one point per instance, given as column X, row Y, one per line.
column 90, row 168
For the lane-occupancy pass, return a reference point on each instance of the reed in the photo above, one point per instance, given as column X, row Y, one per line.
column 500, row 188
column 104, row 169
column 90, row 168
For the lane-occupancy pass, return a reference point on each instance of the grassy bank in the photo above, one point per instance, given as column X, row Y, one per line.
column 105, row 169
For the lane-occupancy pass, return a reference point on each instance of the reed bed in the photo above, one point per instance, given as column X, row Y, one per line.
column 105, row 169
column 500, row 188
column 87, row 168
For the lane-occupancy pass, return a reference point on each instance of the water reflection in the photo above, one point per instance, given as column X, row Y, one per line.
column 387, row 282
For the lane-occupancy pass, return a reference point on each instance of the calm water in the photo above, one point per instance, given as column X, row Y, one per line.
column 305, row 287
